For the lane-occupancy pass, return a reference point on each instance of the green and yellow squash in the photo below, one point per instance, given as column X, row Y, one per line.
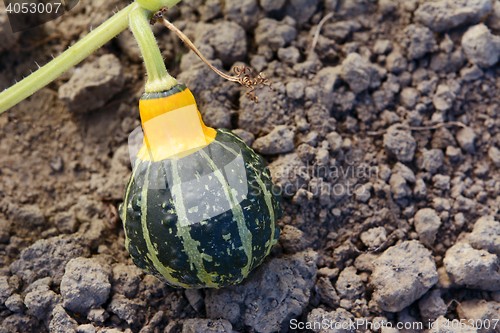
column 199, row 210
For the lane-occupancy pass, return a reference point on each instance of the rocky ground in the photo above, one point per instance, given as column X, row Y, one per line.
column 384, row 139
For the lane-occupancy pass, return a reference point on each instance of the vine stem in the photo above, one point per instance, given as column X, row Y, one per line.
column 76, row 53
column 158, row 77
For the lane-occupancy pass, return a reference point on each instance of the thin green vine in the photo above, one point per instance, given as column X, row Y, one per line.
column 76, row 53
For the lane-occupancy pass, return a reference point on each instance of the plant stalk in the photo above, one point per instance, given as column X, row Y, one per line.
column 158, row 77
column 75, row 54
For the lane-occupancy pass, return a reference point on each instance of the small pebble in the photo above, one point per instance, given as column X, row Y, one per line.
column 494, row 155
column 420, row 189
column 441, row 182
column 295, row 89
column 480, row 46
column 278, row 141
column 85, row 285
column 56, row 163
column 400, row 143
column 374, row 237
column 432, row 306
column 15, row 303
column 301, row 123
column 306, row 152
column 466, row 138
column 453, row 153
column 335, row 141
column 382, row 46
column 409, row 97
column 443, row 98
column 346, row 304
column 427, row 223
column 476, row 269
column 330, row 273
column 290, row 55
column 86, row 328
column 311, row 138
column 327, row 292
column 401, row 275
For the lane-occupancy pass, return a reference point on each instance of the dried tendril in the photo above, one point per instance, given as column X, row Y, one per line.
column 242, row 76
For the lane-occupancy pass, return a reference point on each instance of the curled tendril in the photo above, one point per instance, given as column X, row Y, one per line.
column 242, row 72
column 243, row 77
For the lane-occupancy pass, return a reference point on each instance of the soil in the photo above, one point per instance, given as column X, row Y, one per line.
column 384, row 140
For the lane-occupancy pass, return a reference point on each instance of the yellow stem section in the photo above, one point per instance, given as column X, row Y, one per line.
column 173, row 127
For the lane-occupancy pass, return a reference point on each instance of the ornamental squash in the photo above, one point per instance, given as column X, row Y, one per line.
column 199, row 209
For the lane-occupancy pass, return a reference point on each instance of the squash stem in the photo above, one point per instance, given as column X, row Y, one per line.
column 75, row 54
column 158, row 77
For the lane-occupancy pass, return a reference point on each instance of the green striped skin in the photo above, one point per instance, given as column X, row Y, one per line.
column 183, row 234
